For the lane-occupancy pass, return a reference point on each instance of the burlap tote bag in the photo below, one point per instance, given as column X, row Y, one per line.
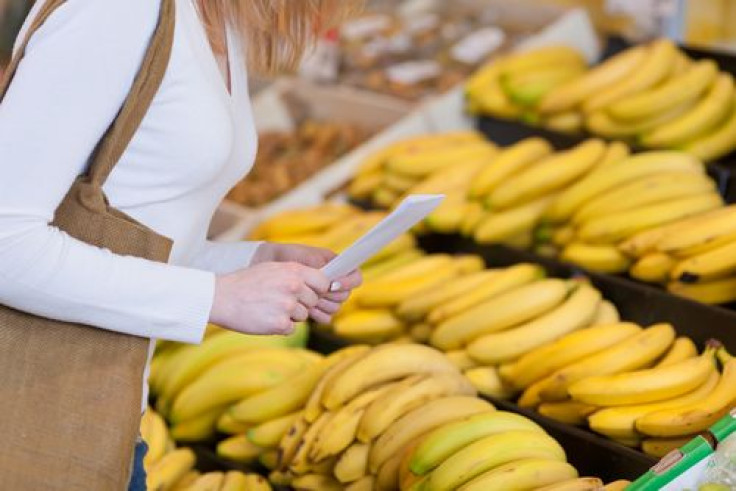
column 70, row 395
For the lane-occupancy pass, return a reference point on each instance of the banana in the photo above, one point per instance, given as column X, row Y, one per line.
column 383, row 364
column 619, row 485
column 344, row 424
column 420, row 420
column 703, row 117
column 528, row 87
column 269, row 459
column 364, row 484
column 303, row 221
column 233, row 379
column 155, row 433
column 438, row 445
column 270, row 433
column 541, row 57
column 619, row 422
column 286, row 397
column 622, row 225
column 238, row 449
column 607, row 313
column 488, row 382
column 654, row 267
column 398, row 182
column 348, row 231
column 509, row 161
column 185, row 482
column 711, row 292
column 378, row 269
column 290, row 444
column 576, row 312
column 644, row 386
column 421, row 163
column 579, row 484
column 542, row 362
column 715, row 264
column 369, row 326
column 364, row 185
column 568, row 412
column 570, row 122
column 388, row 475
column 495, row 102
column 603, row 258
column 683, row 348
column 601, row 123
column 227, row 425
column 448, row 216
column 250, row 482
column 609, row 177
column 489, row 453
column 405, row 242
column 506, row 280
column 411, row 278
column 474, row 213
column 707, row 230
column 212, row 481
column 522, row 474
column 646, row 191
column 512, row 308
column 416, row 308
column 300, row 463
column 606, row 74
column 461, row 359
column 659, row 447
column 500, row 226
column 383, row 198
column 200, row 428
column 616, row 152
column 420, row 333
column 353, row 463
column 633, row 353
column 315, row 482
column 551, row 174
column 682, row 88
column 655, row 66
column 562, row 236
column 170, row 469
column 718, row 142
column 412, row 393
column 531, row 397
column 696, row 416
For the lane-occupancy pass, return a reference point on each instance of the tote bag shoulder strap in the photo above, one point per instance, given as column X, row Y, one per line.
column 139, row 99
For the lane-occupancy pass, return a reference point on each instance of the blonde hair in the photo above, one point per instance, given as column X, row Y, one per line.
column 274, row 33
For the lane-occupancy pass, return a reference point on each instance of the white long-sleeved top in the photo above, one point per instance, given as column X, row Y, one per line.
column 195, row 142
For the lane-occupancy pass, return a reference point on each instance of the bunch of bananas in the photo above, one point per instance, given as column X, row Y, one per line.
column 694, row 257
column 652, row 95
column 593, row 222
column 219, row 481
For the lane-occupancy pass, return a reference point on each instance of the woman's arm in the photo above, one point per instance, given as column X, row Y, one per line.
column 71, row 83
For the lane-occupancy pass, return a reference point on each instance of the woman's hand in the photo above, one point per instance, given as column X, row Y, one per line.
column 268, row 297
column 314, row 257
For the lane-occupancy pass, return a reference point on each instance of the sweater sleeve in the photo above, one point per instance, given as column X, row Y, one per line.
column 70, row 84
column 225, row 257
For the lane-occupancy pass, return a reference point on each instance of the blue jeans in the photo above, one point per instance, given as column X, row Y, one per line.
column 138, row 476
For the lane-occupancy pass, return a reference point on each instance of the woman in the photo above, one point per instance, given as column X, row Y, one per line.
column 195, row 141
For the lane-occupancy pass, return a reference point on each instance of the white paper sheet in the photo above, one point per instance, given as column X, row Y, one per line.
column 409, row 212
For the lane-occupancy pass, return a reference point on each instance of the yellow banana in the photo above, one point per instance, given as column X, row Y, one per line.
column 697, row 233
column 710, row 265
column 633, row 353
column 420, row 333
column 368, row 326
column 659, row 447
column 619, row 485
column 609, row 177
column 185, row 482
column 383, row 198
column 601, row 123
column 251, row 482
column 522, row 474
column 212, row 481
column 316, row 482
column 622, row 225
column 488, row 382
column 270, row 433
column 443, row 442
column 497, row 284
column 301, row 463
column 448, row 216
column 383, row 364
column 528, row 87
column 457, row 177
column 226, row 424
column 653, row 267
column 303, row 221
column 607, row 74
column 269, row 459
column 696, row 416
column 424, row 162
column 644, row 386
column 429, row 416
column 562, row 236
column 540, row 57
column 290, row 444
column 685, row 87
column 619, row 422
column 495, row 102
column 549, row 175
column 718, row 141
column 353, row 463
column 683, row 348
column 511, row 308
column 363, row 186
column 416, row 308
column 393, row 263
column 405, row 242
column 474, row 213
column 415, row 269
column 579, row 484
column 398, row 182
column 542, row 362
column 238, row 449
column 603, row 258
column 155, row 433
column 170, row 469
column 286, row 397
column 704, row 116
column 489, row 453
column 364, row 484
column 646, row 191
column 200, row 428
column 346, row 232
column 652, row 69
column 607, row 313
column 576, row 312
column 568, row 412
column 461, row 359
column 509, row 161
column 501, row 226
column 616, row 152
column 569, row 122
column 710, row 292
column 388, row 475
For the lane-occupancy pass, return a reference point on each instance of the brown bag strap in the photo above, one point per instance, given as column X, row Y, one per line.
column 139, row 99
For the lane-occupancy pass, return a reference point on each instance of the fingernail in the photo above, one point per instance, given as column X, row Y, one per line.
column 335, row 286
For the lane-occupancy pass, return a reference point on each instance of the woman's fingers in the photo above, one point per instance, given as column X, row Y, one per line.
column 328, row 306
column 347, row 283
column 300, row 313
column 339, row 297
column 320, row 316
